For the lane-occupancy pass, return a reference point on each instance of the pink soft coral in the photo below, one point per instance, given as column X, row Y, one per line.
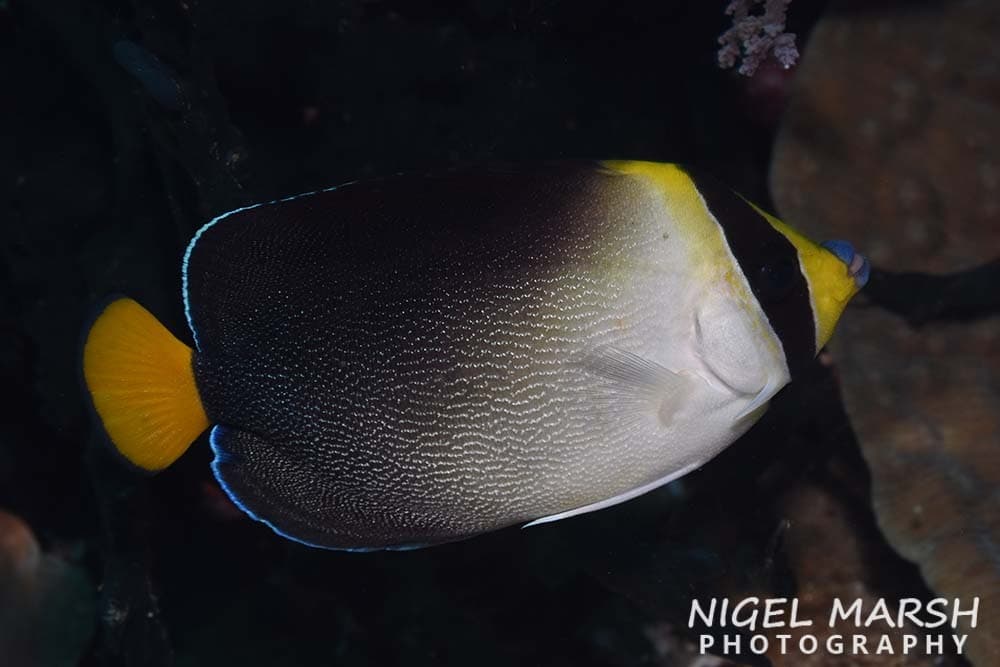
column 754, row 36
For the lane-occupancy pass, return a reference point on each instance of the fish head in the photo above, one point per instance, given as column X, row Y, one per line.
column 835, row 272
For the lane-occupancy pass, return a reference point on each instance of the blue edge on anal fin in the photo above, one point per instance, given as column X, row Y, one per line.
column 223, row 457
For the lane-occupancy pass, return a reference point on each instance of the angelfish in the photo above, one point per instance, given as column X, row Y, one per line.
column 427, row 357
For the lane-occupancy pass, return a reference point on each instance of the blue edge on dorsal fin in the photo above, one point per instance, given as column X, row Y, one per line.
column 222, row 456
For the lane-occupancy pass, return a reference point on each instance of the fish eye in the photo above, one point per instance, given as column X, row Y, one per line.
column 776, row 278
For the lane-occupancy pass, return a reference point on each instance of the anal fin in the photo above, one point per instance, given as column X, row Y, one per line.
column 290, row 497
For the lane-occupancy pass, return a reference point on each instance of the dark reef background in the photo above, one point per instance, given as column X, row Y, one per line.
column 126, row 125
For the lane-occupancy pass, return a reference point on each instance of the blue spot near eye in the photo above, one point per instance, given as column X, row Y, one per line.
column 857, row 265
column 842, row 249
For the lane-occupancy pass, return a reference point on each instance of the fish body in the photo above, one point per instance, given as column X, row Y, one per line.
column 424, row 358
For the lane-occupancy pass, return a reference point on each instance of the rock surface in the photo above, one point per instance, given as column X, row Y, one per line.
column 892, row 141
column 46, row 603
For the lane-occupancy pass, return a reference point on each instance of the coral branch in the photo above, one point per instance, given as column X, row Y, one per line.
column 755, row 36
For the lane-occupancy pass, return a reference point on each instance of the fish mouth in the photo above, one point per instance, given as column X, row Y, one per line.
column 858, row 266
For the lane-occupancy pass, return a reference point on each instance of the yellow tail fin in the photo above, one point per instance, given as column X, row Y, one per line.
column 141, row 381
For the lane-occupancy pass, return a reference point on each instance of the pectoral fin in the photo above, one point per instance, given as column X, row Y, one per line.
column 633, row 385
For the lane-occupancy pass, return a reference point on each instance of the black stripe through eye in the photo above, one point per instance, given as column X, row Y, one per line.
column 771, row 265
column 775, row 279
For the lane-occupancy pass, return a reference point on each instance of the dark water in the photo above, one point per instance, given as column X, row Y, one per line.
column 111, row 157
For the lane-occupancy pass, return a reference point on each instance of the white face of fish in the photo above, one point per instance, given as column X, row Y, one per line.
column 682, row 363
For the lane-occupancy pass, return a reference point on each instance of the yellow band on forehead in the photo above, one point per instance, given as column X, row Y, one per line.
column 831, row 285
